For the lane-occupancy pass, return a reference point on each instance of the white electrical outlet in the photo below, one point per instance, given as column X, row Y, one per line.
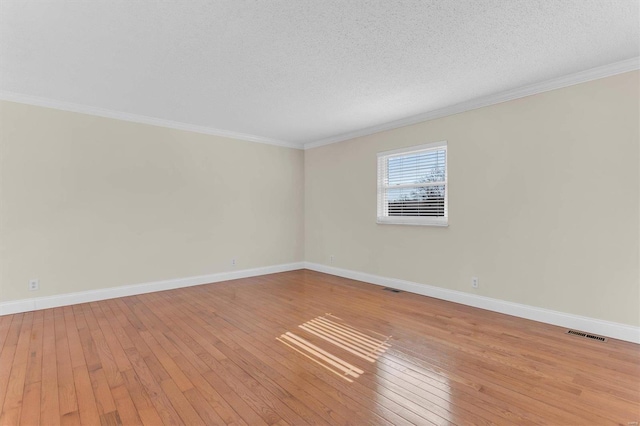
column 34, row 285
column 331, row 258
column 233, row 263
column 474, row 282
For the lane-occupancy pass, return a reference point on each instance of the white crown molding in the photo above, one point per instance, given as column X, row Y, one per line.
column 591, row 325
column 135, row 118
column 25, row 305
column 631, row 64
column 545, row 86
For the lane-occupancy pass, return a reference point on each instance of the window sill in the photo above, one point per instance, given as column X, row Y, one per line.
column 412, row 221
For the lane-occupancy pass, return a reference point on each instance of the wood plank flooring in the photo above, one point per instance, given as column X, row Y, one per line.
column 289, row 348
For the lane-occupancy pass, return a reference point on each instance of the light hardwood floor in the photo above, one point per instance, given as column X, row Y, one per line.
column 234, row 353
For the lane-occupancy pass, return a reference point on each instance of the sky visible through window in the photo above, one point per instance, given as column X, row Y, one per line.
column 414, row 169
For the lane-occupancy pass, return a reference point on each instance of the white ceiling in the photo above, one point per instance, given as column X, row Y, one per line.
column 300, row 71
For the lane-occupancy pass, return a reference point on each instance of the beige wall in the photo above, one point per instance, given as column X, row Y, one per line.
column 543, row 201
column 89, row 203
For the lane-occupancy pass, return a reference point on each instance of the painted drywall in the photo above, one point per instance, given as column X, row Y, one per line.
column 90, row 203
column 543, row 203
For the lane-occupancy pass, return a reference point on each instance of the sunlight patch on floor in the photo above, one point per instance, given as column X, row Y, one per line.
column 338, row 333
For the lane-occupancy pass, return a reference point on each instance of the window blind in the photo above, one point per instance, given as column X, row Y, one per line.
column 412, row 185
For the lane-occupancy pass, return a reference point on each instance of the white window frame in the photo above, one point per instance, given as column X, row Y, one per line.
column 383, row 178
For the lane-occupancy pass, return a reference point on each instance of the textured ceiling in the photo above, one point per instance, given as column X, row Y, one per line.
column 300, row 71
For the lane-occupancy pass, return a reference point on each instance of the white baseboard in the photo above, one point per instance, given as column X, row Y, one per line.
column 591, row 325
column 605, row 328
column 25, row 305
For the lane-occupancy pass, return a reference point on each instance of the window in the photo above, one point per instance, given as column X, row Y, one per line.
column 412, row 185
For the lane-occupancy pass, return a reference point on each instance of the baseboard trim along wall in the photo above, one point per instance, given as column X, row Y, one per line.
column 25, row 305
column 591, row 325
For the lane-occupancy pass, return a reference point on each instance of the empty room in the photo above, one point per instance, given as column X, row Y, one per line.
column 255, row 212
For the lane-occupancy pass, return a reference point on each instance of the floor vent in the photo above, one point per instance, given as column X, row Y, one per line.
column 586, row 335
column 393, row 290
